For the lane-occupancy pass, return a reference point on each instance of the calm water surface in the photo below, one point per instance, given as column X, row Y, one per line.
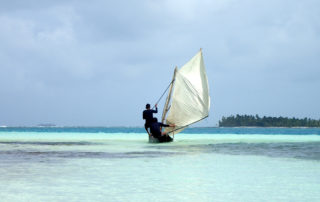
column 118, row 164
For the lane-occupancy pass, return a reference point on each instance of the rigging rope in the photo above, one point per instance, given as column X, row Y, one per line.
column 162, row 94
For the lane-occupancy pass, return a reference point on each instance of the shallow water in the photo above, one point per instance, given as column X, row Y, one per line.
column 98, row 164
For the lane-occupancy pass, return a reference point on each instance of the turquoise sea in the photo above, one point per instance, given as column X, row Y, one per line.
column 118, row 164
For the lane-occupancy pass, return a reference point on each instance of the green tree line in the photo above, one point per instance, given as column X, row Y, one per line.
column 267, row 121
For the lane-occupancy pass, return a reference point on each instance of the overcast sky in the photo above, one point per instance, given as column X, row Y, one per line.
column 97, row 63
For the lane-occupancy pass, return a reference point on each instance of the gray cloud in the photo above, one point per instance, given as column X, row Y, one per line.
column 98, row 63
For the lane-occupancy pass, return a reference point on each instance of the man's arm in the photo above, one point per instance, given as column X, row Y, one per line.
column 166, row 125
column 155, row 111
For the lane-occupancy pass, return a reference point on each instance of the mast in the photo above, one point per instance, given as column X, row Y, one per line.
column 166, row 108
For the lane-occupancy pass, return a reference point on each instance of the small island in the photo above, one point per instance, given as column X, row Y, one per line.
column 266, row 121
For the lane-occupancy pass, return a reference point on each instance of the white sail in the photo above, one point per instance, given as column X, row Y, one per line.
column 190, row 97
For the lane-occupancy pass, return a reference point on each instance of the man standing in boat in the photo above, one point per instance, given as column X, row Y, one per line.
column 148, row 116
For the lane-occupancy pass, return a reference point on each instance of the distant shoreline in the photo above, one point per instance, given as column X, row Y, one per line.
column 57, row 126
column 267, row 121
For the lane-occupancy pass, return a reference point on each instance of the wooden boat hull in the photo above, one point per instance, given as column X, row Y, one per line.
column 162, row 139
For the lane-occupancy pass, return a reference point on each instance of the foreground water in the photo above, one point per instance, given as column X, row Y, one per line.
column 118, row 164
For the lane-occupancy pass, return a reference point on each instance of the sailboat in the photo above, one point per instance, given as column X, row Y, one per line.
column 188, row 99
